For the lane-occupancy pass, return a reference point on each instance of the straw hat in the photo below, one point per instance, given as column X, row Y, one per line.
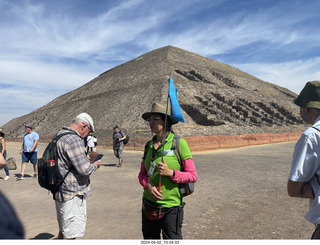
column 309, row 96
column 159, row 108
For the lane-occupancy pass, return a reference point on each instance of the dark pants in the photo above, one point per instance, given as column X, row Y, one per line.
column 170, row 225
column 316, row 233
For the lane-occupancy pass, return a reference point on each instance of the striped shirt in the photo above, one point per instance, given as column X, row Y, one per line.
column 71, row 154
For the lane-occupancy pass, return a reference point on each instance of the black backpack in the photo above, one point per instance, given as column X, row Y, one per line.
column 49, row 176
column 126, row 140
column 185, row 189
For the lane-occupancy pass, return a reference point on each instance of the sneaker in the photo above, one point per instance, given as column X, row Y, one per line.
column 7, row 177
column 21, row 177
column 35, row 176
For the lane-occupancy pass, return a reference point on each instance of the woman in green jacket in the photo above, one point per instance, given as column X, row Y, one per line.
column 162, row 208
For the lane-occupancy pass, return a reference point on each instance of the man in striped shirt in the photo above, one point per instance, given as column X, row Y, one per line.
column 71, row 201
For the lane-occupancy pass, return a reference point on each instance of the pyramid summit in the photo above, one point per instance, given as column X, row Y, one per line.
column 215, row 98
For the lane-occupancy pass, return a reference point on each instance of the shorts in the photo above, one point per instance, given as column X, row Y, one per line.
column 30, row 156
column 72, row 217
column 118, row 153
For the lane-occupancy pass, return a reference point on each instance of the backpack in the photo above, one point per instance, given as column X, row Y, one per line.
column 185, row 189
column 11, row 163
column 49, row 176
column 126, row 140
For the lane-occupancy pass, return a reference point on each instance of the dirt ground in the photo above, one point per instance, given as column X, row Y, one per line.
column 240, row 194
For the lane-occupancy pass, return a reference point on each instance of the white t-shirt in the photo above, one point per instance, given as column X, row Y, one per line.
column 90, row 141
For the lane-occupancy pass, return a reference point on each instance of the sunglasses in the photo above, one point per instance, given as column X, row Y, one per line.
column 86, row 125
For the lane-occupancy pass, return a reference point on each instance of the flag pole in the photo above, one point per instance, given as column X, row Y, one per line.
column 164, row 136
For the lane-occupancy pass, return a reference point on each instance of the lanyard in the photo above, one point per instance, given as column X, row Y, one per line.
column 154, row 151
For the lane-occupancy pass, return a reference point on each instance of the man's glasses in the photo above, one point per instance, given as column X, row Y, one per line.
column 86, row 125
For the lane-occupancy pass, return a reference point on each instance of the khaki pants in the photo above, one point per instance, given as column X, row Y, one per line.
column 72, row 217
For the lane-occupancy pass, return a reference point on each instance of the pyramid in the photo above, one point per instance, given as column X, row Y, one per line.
column 215, row 98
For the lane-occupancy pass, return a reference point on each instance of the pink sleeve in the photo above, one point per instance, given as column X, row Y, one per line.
column 189, row 175
column 143, row 177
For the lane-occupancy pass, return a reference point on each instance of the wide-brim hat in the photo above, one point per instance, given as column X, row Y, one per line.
column 309, row 96
column 159, row 108
column 1, row 132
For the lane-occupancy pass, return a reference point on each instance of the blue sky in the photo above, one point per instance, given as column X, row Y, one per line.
column 50, row 47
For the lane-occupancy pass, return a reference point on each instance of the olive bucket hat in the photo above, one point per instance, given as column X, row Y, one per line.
column 309, row 96
column 159, row 108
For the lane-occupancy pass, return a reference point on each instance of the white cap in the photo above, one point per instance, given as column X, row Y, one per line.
column 87, row 119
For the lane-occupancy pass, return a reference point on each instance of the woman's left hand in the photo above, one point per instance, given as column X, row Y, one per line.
column 164, row 170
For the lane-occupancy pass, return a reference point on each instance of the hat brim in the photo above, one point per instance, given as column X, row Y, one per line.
column 147, row 115
column 300, row 101
column 309, row 96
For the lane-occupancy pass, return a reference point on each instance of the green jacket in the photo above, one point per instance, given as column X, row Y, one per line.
column 169, row 189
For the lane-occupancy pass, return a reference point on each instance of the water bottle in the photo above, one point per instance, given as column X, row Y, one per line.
column 51, row 171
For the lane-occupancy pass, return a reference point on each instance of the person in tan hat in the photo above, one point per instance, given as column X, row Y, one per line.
column 3, row 151
column 162, row 208
column 304, row 178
